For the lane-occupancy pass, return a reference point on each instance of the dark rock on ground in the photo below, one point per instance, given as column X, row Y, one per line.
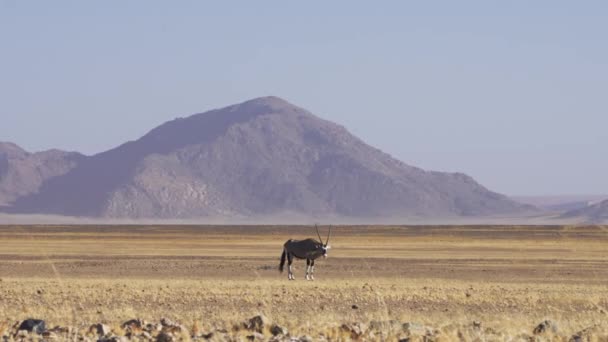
column 164, row 337
column 277, row 330
column 99, row 329
column 545, row 327
column 37, row 326
column 256, row 323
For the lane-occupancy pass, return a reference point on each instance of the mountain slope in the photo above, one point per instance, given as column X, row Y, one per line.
column 261, row 157
column 22, row 173
column 595, row 213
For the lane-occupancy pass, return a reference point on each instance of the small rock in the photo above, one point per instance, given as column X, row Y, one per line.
column 133, row 323
column 37, row 326
column 477, row 324
column 355, row 307
column 113, row 339
column 174, row 329
column 153, row 327
column 166, row 322
column 99, row 329
column 544, row 327
column 305, row 338
column 207, row 336
column 256, row 323
column 164, row 337
column 276, row 330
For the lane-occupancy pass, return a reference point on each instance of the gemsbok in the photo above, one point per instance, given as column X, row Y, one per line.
column 309, row 249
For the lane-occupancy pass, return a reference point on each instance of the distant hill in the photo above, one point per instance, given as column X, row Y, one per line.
column 259, row 158
column 561, row 203
column 595, row 213
column 23, row 173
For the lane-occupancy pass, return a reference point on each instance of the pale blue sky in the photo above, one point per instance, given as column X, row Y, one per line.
column 513, row 93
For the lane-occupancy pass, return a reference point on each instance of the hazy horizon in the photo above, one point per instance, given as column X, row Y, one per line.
column 506, row 93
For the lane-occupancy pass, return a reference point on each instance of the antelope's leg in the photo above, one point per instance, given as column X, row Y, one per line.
column 290, row 273
column 312, row 270
column 307, row 269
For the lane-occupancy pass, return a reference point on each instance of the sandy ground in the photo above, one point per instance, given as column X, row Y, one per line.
column 510, row 278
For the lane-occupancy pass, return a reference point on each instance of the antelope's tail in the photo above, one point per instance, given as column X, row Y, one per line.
column 282, row 261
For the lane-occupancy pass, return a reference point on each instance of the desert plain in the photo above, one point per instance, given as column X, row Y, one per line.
column 379, row 283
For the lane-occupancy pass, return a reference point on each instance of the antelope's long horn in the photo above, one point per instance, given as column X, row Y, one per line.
column 328, row 235
column 319, row 235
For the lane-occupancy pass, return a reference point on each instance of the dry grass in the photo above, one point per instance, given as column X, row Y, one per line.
column 439, row 280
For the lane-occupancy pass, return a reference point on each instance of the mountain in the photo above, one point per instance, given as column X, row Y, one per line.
column 22, row 173
column 594, row 213
column 560, row 203
column 262, row 157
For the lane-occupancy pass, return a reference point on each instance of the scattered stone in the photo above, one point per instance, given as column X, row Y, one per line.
column 208, row 336
column 256, row 323
column 477, row 324
column 545, row 327
column 174, row 329
column 37, row 326
column 305, row 338
column 277, row 330
column 164, row 337
column 113, row 339
column 406, row 339
column 150, row 327
column 355, row 307
column 166, row 322
column 134, row 323
column 99, row 329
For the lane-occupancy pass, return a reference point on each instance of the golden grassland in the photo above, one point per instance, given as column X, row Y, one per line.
column 448, row 283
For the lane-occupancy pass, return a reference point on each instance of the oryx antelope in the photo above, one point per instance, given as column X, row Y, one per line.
column 309, row 249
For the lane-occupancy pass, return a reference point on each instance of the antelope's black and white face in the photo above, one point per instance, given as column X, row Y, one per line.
column 325, row 248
